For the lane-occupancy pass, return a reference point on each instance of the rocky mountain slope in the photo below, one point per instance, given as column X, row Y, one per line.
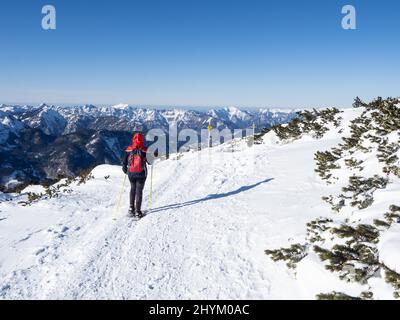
column 41, row 144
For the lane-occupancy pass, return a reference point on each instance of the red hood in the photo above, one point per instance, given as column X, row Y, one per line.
column 138, row 141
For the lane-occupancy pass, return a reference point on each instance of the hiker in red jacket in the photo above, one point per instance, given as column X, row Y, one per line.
column 135, row 165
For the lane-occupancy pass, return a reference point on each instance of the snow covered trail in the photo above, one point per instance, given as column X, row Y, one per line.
column 215, row 212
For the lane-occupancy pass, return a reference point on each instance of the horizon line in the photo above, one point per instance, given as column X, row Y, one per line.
column 167, row 106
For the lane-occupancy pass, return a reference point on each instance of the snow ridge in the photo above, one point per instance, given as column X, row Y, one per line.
column 57, row 120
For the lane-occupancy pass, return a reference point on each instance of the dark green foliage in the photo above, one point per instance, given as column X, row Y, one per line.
column 395, row 170
column 361, row 233
column 386, row 114
column 54, row 191
column 358, row 128
column 354, row 142
column 360, row 185
column 313, row 122
column 350, row 249
column 394, row 208
column 258, row 136
column 325, row 161
column 85, row 176
column 357, row 259
column 337, row 152
column 294, row 254
column 387, row 152
column 366, row 295
column 358, row 103
column 361, row 190
column 316, row 227
column 336, row 296
column 393, row 216
column 373, row 138
column 381, row 223
column 308, row 122
column 290, row 131
column 336, row 203
column 393, row 278
column 354, row 262
column 353, row 163
column 33, row 196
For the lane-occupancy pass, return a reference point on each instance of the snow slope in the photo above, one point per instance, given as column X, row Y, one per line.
column 214, row 213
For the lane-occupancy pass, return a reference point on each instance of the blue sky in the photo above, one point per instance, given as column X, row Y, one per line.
column 199, row 52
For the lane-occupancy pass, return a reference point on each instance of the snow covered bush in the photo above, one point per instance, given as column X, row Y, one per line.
column 326, row 161
column 393, row 278
column 316, row 123
column 342, row 296
column 292, row 255
column 62, row 187
column 258, row 136
column 366, row 162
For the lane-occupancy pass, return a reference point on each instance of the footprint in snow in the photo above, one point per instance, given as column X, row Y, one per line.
column 26, row 238
column 4, row 288
column 40, row 251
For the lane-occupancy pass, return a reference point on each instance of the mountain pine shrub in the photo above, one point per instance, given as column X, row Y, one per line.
column 350, row 249
column 292, row 255
column 313, row 122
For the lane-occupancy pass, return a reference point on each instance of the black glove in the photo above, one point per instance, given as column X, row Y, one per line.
column 124, row 169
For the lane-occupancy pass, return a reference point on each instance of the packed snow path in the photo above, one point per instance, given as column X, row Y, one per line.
column 215, row 212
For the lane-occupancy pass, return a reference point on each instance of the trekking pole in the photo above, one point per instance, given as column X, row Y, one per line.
column 120, row 198
column 151, row 187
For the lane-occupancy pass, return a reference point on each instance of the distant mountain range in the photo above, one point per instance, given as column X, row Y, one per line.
column 39, row 144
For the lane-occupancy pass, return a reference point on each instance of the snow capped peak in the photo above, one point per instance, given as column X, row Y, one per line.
column 89, row 106
column 236, row 112
column 120, row 106
column 8, row 124
column 61, row 120
column 43, row 105
column 233, row 110
column 234, row 115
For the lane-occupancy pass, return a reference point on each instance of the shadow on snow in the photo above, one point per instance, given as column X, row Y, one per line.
column 211, row 197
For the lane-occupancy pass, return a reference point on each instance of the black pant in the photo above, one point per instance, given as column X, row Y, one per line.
column 137, row 185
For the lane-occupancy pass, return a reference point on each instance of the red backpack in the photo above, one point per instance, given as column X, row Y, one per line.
column 136, row 162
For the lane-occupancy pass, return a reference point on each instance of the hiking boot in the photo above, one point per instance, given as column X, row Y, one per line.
column 131, row 211
column 140, row 213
